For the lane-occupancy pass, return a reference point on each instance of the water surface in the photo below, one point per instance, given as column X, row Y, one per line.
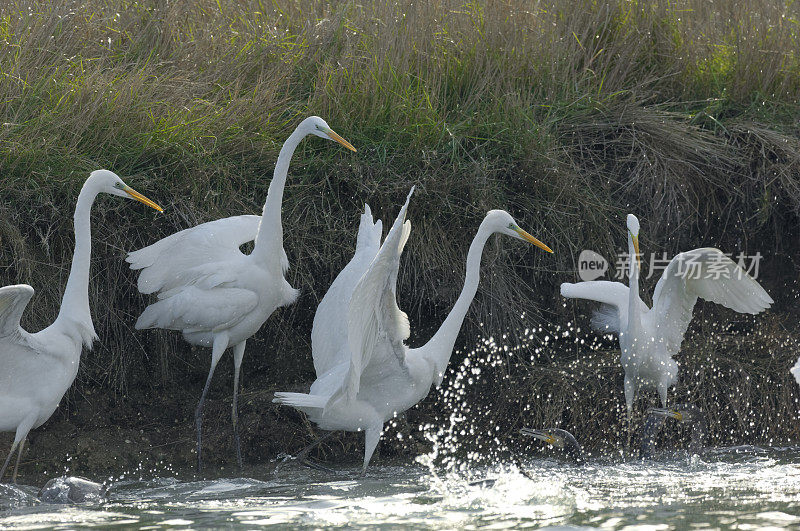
column 739, row 488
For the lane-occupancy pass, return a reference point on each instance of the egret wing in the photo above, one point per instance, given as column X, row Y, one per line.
column 13, row 301
column 329, row 346
column 179, row 259
column 614, row 297
column 376, row 327
column 192, row 309
column 706, row 273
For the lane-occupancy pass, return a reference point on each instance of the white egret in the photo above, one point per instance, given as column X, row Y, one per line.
column 211, row 291
column 796, row 371
column 37, row 369
column 372, row 376
column 648, row 337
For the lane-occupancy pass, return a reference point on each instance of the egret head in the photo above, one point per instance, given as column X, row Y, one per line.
column 110, row 183
column 501, row 221
column 314, row 125
column 633, row 231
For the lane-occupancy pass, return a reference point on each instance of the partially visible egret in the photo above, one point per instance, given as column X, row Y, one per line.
column 796, row 371
column 37, row 369
column 648, row 337
column 374, row 376
column 211, row 291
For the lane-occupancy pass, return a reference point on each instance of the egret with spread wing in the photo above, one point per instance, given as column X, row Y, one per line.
column 649, row 337
column 37, row 369
column 211, row 291
column 372, row 376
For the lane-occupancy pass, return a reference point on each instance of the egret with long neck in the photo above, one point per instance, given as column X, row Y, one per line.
column 213, row 293
column 37, row 369
column 379, row 377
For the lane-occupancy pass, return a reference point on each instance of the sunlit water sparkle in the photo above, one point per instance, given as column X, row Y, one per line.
column 732, row 488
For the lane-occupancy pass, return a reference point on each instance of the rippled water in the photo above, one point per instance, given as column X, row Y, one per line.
column 741, row 488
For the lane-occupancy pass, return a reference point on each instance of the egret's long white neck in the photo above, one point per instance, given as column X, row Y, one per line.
column 440, row 347
column 269, row 241
column 75, row 314
column 633, row 284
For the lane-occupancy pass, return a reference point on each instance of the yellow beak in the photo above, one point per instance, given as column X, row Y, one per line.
column 339, row 139
column 533, row 240
column 139, row 197
column 636, row 249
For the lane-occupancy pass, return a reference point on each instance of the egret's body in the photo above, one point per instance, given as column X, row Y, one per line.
column 37, row 369
column 213, row 293
column 370, row 376
column 649, row 337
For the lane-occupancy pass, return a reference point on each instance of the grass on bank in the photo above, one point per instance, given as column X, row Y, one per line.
column 567, row 114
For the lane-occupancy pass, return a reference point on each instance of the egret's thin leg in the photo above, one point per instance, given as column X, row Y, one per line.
column 238, row 354
column 19, row 458
column 630, row 428
column 220, row 344
column 8, row 459
column 19, row 437
column 630, row 394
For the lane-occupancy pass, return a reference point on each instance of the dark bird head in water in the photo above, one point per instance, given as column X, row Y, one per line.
column 682, row 413
column 688, row 414
column 558, row 438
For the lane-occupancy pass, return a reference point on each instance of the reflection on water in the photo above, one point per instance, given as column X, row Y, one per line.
column 743, row 487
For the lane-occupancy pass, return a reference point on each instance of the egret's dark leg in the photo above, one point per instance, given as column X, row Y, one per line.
column 19, row 438
column 8, row 459
column 238, row 354
column 16, row 465
column 630, row 395
column 220, row 344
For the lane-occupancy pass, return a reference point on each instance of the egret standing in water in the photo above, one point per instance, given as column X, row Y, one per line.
column 211, row 291
column 374, row 376
column 37, row 369
column 648, row 337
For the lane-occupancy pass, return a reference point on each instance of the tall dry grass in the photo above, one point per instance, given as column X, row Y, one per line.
column 567, row 114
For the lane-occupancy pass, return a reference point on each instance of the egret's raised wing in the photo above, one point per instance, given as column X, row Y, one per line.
column 180, row 259
column 13, row 301
column 796, row 371
column 614, row 297
column 376, row 327
column 329, row 346
column 706, row 273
